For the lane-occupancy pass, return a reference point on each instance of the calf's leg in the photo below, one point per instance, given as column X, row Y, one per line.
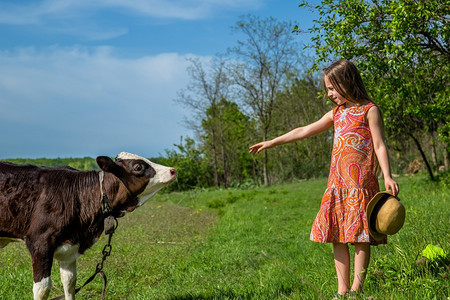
column 42, row 259
column 68, row 272
column 41, row 289
column 42, row 267
column 67, row 256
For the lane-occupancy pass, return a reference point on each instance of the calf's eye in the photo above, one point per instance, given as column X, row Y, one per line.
column 138, row 167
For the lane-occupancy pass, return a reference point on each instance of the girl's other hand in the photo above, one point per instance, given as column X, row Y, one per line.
column 391, row 185
column 259, row 147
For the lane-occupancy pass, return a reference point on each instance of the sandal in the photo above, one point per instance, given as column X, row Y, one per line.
column 354, row 294
column 338, row 296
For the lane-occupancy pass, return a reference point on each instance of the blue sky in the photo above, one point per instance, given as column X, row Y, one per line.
column 97, row 77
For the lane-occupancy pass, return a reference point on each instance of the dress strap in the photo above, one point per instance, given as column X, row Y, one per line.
column 336, row 109
column 366, row 109
column 368, row 106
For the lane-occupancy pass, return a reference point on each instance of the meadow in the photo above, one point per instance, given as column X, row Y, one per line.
column 249, row 244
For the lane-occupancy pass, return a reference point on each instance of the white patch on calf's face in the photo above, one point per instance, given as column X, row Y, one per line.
column 126, row 155
column 164, row 176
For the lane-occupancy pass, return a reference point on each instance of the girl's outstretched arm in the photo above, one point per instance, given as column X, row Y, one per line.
column 377, row 130
column 296, row 134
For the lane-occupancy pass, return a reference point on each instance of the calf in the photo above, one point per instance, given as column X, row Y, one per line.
column 58, row 212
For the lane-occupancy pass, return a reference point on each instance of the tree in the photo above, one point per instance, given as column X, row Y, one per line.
column 232, row 136
column 203, row 94
column 299, row 105
column 401, row 47
column 262, row 65
column 191, row 166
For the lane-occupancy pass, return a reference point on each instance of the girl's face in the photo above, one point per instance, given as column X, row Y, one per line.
column 332, row 93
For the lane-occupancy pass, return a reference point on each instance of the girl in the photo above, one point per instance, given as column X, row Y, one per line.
column 358, row 137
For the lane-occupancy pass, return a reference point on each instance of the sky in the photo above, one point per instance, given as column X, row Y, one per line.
column 97, row 77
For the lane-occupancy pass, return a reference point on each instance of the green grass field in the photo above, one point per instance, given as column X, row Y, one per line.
column 249, row 244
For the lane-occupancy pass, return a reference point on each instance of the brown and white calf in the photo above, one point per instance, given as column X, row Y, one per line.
column 58, row 212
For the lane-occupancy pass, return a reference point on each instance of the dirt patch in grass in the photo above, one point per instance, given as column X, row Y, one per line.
column 168, row 224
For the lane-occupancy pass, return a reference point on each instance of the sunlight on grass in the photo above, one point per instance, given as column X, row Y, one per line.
column 249, row 244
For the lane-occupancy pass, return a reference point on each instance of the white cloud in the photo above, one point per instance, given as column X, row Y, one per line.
column 39, row 12
column 100, row 20
column 181, row 9
column 86, row 101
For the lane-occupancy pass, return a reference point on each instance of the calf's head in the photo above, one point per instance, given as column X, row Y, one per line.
column 135, row 175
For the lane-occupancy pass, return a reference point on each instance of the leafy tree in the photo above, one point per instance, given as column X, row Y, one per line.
column 190, row 163
column 206, row 89
column 401, row 46
column 232, row 135
column 261, row 66
column 299, row 105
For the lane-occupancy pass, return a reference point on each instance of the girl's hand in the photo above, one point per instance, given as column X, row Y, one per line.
column 260, row 146
column 391, row 185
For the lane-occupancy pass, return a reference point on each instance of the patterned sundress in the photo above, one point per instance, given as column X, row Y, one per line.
column 352, row 181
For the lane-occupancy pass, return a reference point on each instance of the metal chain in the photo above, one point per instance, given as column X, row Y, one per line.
column 99, row 268
column 110, row 225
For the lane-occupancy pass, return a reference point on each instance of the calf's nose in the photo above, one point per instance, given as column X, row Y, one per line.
column 173, row 172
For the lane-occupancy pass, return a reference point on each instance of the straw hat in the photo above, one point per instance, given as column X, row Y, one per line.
column 385, row 215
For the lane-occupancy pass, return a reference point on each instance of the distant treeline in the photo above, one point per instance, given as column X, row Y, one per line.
column 82, row 164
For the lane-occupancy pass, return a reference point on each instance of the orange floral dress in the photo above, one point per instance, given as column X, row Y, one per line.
column 352, row 181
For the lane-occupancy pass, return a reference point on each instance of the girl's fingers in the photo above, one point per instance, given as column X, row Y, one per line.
column 259, row 147
column 393, row 187
column 255, row 148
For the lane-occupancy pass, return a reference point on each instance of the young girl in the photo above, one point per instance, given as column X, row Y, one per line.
column 358, row 137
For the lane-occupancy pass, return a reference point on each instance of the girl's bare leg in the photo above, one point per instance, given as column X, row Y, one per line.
column 342, row 263
column 362, row 258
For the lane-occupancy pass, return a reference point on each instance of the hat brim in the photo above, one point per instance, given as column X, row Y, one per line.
column 371, row 212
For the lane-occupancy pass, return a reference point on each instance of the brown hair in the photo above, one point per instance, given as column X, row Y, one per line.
column 345, row 78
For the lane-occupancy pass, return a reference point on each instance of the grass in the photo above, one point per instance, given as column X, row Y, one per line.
column 249, row 244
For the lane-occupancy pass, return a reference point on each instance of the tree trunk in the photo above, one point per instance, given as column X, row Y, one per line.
column 265, row 162
column 434, row 155
column 224, row 166
column 446, row 158
column 419, row 147
column 216, row 176
column 266, row 176
column 255, row 177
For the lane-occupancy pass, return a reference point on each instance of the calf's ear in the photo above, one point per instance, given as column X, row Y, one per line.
column 108, row 165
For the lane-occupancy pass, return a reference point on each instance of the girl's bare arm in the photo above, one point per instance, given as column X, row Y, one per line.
column 296, row 134
column 377, row 130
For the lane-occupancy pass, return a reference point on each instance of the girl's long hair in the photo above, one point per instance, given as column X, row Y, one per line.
column 345, row 78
